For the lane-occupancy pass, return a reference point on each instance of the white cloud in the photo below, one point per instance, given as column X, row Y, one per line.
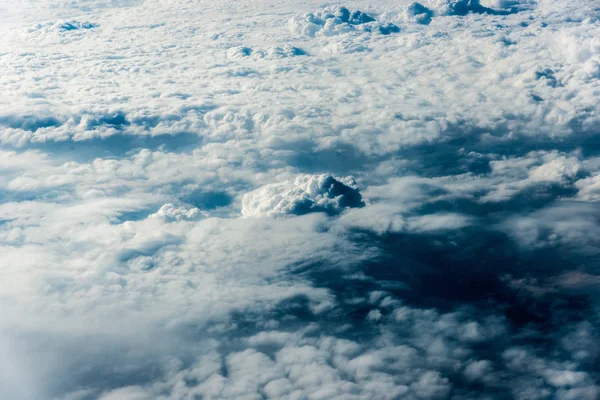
column 431, row 386
column 170, row 212
column 417, row 12
column 563, row 224
column 337, row 21
column 307, row 193
column 133, row 143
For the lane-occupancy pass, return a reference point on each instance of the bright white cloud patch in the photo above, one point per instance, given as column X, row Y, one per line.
column 299, row 200
column 305, row 194
column 170, row 212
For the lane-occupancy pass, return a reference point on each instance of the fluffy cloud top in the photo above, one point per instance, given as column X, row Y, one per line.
column 337, row 21
column 170, row 212
column 305, row 194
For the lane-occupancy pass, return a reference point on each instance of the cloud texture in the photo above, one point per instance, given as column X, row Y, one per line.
column 299, row 200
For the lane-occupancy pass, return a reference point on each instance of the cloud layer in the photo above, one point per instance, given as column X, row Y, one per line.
column 287, row 200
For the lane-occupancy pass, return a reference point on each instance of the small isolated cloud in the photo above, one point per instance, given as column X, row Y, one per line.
column 305, row 194
column 171, row 213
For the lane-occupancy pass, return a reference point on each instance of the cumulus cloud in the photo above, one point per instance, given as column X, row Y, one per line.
column 458, row 7
column 417, row 12
column 170, row 212
column 337, row 21
column 75, row 25
column 589, row 188
column 239, row 52
column 305, row 194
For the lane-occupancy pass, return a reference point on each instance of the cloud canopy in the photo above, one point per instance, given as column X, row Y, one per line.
column 299, row 200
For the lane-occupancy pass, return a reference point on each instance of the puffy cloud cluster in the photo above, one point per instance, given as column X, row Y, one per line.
column 331, row 22
column 62, row 27
column 170, row 212
column 74, row 25
column 277, row 52
column 458, row 7
column 404, row 353
column 60, row 30
column 416, row 12
column 579, row 45
column 305, row 194
column 423, row 13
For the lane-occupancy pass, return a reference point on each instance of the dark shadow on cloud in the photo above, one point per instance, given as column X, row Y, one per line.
column 547, row 75
column 331, row 188
column 350, row 197
column 208, row 200
column 448, row 270
column 464, row 270
column 470, row 273
column 477, row 164
column 118, row 145
column 76, row 25
column 136, row 215
column 581, row 137
column 469, row 149
column 296, row 51
column 117, row 120
column 149, row 248
column 464, row 7
column 354, row 19
column 33, row 123
column 388, row 29
column 534, row 197
column 38, row 194
column 419, row 13
column 463, row 147
column 115, row 364
column 340, row 161
column 30, row 123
